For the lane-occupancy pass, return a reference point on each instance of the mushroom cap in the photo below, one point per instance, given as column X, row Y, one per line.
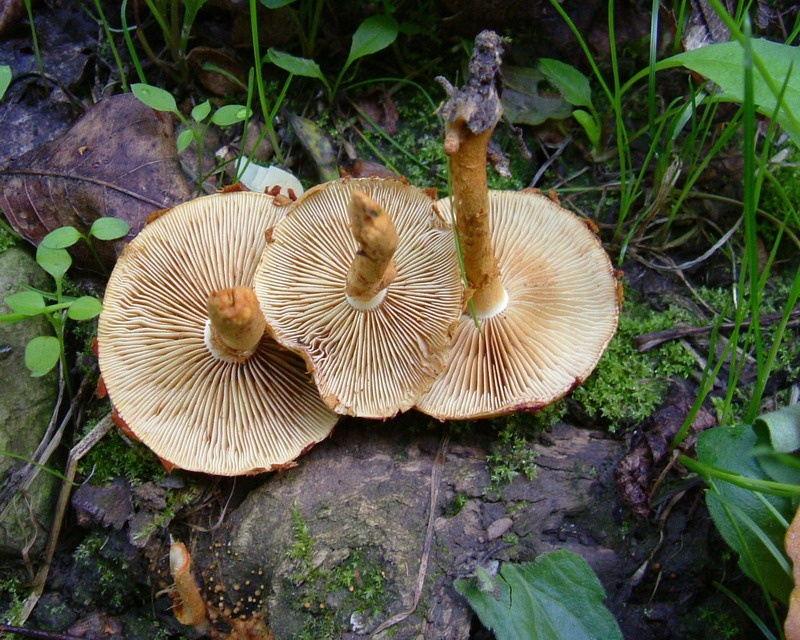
column 191, row 408
column 366, row 362
column 562, row 311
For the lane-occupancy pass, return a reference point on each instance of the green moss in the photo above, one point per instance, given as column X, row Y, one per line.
column 115, row 457
column 106, row 573
column 12, row 601
column 512, row 453
column 327, row 596
column 457, row 505
column 628, row 386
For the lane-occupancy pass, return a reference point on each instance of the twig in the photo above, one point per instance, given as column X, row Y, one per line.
column 436, row 471
column 648, row 341
column 36, row 633
column 76, row 453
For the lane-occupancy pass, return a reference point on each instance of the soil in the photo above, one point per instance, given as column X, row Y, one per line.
column 358, row 505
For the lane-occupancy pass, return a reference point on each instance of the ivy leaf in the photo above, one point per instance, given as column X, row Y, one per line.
column 55, row 261
column 42, row 354
column 373, row 35
column 108, row 228
column 154, row 97
column 85, row 308
column 5, row 79
column 557, row 597
column 230, row 114
column 201, row 111
column 29, row 303
column 61, row 238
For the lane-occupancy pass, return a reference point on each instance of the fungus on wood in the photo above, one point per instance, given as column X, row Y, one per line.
column 361, row 279
column 542, row 288
column 182, row 347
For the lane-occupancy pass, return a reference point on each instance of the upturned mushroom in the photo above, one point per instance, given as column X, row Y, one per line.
column 361, row 279
column 544, row 292
column 182, row 347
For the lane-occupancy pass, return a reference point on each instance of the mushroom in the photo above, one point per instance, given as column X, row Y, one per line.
column 544, row 293
column 361, row 279
column 182, row 347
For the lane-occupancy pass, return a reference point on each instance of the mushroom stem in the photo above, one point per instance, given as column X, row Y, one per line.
column 236, row 323
column 472, row 114
column 372, row 269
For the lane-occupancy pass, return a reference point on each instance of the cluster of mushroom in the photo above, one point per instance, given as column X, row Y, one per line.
column 208, row 306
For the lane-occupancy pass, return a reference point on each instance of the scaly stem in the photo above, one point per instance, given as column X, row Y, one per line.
column 237, row 323
column 372, row 269
column 471, row 115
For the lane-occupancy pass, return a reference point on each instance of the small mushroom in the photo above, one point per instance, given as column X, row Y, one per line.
column 182, row 347
column 543, row 290
column 361, row 279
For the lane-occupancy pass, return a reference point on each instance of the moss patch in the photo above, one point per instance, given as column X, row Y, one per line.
column 337, row 597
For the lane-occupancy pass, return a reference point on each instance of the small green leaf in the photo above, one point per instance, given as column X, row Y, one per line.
column 201, row 111
column 41, row 354
column 276, row 4
column 586, row 120
column 570, row 82
column 293, row 64
column 230, row 114
column 184, row 140
column 109, row 228
column 28, row 302
column 85, row 308
column 61, row 238
column 5, row 79
column 372, row 35
column 154, row 97
column 55, row 261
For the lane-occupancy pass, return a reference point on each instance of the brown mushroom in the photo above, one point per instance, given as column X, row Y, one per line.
column 361, row 279
column 182, row 347
column 545, row 295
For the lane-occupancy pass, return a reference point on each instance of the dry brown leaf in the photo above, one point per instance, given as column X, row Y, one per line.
column 117, row 160
column 791, row 627
column 10, row 12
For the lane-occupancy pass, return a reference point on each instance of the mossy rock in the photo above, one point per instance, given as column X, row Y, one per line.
column 26, row 405
column 332, row 548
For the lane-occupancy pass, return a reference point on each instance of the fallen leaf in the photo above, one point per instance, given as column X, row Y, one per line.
column 128, row 169
column 791, row 626
column 637, row 470
column 525, row 102
column 379, row 107
column 319, row 146
column 10, row 12
column 204, row 60
column 108, row 506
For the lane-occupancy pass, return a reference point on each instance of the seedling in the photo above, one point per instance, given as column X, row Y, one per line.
column 196, row 126
column 44, row 352
column 373, row 35
column 575, row 89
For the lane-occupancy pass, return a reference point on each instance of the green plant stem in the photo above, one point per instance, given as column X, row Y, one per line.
column 35, row 38
column 314, row 27
column 95, row 255
column 751, row 484
column 129, row 42
column 112, row 44
column 260, row 84
column 9, row 229
column 165, row 30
